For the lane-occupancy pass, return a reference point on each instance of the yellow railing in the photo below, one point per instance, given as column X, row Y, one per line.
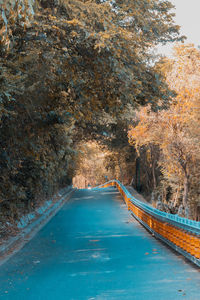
column 181, row 234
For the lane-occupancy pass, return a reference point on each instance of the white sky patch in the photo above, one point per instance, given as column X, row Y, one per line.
column 188, row 17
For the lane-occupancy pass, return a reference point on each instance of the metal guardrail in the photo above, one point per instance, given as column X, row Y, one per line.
column 179, row 233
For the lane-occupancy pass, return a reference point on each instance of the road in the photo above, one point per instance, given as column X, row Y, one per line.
column 94, row 249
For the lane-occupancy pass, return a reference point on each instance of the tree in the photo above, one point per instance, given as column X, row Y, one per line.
column 176, row 130
column 63, row 64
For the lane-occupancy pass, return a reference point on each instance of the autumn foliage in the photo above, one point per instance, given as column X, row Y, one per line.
column 66, row 64
column 176, row 131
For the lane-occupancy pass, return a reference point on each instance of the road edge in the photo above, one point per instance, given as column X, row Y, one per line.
column 14, row 244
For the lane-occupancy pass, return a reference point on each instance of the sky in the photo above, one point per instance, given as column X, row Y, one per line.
column 188, row 17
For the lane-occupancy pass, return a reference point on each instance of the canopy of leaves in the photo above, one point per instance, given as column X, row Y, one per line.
column 176, row 130
column 65, row 64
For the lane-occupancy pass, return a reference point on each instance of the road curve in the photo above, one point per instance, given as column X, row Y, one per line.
column 93, row 249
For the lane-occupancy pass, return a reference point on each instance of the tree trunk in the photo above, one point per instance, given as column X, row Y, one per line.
column 153, row 163
column 137, row 175
column 121, row 174
column 185, row 194
column 154, row 175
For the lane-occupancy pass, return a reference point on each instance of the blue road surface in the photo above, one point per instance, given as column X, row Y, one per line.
column 93, row 249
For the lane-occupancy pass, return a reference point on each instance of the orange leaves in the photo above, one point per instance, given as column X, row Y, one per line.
column 143, row 133
column 74, row 22
column 135, row 134
column 176, row 130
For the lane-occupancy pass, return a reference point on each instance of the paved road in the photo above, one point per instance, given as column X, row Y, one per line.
column 94, row 249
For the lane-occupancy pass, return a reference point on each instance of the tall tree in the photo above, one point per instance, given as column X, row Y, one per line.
column 176, row 130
